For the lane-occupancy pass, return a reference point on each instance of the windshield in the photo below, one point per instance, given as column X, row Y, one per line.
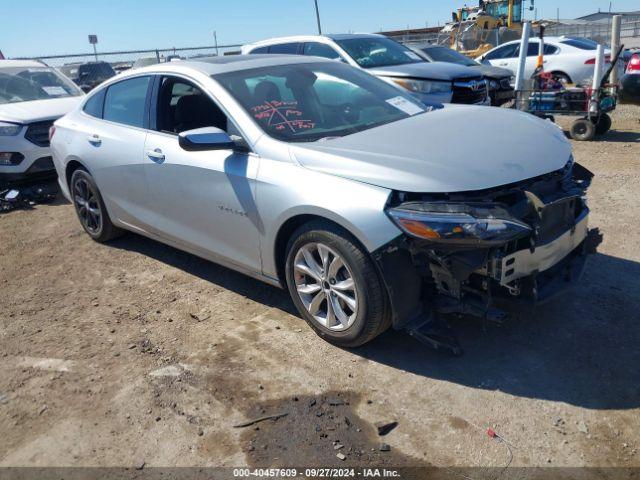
column 444, row 54
column 307, row 102
column 20, row 84
column 373, row 52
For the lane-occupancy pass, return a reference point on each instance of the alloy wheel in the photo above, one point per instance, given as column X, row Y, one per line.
column 326, row 286
column 87, row 205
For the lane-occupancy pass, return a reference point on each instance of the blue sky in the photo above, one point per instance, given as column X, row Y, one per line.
column 39, row 27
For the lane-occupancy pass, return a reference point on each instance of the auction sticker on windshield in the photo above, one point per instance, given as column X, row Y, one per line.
column 54, row 91
column 405, row 105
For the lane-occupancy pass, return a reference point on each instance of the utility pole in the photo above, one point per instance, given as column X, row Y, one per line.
column 318, row 17
column 215, row 42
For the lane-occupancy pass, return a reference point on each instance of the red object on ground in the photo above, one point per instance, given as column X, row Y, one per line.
column 491, row 433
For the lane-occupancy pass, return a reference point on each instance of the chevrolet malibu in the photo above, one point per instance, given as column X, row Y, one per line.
column 309, row 174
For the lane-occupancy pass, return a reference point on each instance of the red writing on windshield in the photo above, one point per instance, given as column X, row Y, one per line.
column 282, row 115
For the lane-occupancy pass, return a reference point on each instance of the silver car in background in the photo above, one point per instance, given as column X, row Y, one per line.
column 315, row 176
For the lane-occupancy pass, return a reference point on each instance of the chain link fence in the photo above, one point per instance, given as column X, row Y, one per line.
column 472, row 37
column 90, row 69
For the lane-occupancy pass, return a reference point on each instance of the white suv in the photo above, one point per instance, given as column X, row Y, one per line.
column 572, row 60
column 32, row 97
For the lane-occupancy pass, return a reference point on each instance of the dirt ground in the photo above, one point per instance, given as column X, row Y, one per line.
column 134, row 353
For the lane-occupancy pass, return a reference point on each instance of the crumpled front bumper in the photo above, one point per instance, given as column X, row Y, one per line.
column 488, row 281
column 543, row 258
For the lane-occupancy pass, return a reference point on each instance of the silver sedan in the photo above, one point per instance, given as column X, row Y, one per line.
column 370, row 207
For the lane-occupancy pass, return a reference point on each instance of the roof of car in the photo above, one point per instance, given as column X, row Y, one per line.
column 231, row 63
column 308, row 38
column 20, row 63
column 546, row 39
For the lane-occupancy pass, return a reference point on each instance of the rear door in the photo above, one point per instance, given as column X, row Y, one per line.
column 111, row 142
column 203, row 201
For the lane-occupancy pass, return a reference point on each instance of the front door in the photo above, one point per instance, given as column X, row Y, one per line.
column 202, row 200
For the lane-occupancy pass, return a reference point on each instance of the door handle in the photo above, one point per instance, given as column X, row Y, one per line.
column 155, row 155
column 94, row 140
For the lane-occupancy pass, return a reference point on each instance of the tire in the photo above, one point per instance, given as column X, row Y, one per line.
column 562, row 77
column 583, row 130
column 90, row 208
column 312, row 290
column 603, row 124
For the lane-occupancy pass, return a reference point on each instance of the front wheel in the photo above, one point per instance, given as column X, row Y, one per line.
column 335, row 286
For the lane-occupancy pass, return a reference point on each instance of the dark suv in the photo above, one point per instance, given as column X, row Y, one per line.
column 88, row 75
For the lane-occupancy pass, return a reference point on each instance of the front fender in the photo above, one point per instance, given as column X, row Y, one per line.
column 286, row 190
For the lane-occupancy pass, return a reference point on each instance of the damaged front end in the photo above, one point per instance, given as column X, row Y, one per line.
column 488, row 252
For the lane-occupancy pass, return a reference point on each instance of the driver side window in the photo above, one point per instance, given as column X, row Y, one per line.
column 183, row 106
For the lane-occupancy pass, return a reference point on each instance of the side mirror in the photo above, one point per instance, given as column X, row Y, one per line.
column 207, row 138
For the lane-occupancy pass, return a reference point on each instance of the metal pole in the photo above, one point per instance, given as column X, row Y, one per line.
column 615, row 45
column 597, row 71
column 524, row 49
column 318, row 18
column 215, row 41
column 95, row 52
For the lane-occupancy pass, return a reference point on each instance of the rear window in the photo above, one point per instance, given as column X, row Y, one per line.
column 286, row 48
column 125, row 102
column 317, row 49
column 94, row 105
column 534, row 49
column 581, row 43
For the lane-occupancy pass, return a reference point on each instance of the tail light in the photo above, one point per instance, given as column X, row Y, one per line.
column 634, row 64
column 592, row 61
column 52, row 131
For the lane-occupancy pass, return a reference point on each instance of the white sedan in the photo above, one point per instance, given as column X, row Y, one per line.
column 571, row 59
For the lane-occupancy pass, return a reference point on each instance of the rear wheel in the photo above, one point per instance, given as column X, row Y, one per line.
column 583, row 130
column 90, row 208
column 603, row 124
column 563, row 78
column 335, row 286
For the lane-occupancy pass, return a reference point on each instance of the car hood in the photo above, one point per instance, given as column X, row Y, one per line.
column 454, row 149
column 37, row 110
column 426, row 70
column 492, row 72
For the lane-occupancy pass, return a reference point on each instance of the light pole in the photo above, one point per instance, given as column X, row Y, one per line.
column 318, row 17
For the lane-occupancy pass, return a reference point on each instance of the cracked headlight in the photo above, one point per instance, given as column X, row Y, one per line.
column 9, row 129
column 458, row 223
column 423, row 86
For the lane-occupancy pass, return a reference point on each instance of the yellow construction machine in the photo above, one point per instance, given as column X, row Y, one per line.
column 476, row 30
